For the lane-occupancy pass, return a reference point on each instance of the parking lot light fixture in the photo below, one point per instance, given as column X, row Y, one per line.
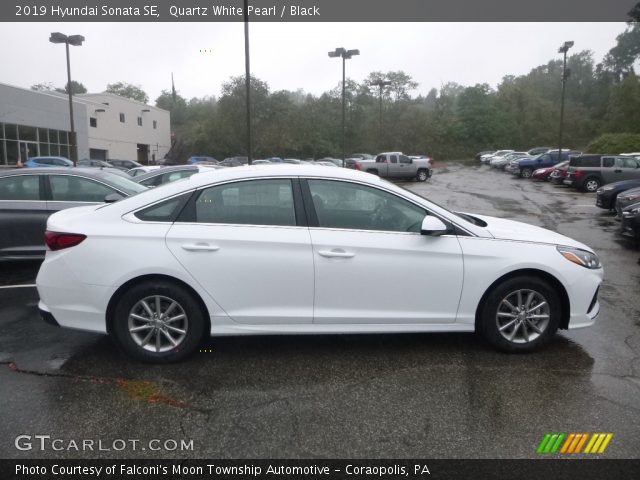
column 565, row 74
column 76, row 41
column 346, row 55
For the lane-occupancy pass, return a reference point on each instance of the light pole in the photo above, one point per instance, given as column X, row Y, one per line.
column 247, row 79
column 75, row 40
column 565, row 74
column 380, row 84
column 345, row 54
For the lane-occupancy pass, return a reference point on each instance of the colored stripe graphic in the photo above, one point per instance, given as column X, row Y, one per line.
column 550, row 443
column 573, row 443
column 598, row 442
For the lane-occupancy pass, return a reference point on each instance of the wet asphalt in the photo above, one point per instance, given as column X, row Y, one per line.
column 349, row 396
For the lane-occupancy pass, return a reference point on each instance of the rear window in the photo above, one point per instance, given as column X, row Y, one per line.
column 165, row 211
column 584, row 162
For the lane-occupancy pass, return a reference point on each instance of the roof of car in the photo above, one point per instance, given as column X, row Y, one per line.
column 87, row 172
column 174, row 168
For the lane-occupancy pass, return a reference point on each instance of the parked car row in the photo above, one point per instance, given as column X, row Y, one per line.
column 615, row 178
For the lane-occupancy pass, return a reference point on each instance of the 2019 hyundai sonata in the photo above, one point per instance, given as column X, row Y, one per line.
column 277, row 250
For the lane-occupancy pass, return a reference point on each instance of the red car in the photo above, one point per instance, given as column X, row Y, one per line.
column 545, row 173
column 559, row 173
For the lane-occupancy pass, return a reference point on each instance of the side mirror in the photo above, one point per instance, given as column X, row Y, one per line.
column 113, row 197
column 433, row 226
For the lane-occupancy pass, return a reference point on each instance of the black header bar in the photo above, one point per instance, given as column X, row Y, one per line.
column 316, row 10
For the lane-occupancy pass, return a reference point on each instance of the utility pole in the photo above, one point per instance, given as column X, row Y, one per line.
column 565, row 74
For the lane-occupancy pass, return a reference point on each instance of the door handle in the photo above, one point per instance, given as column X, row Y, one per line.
column 200, row 247
column 336, row 253
column 618, row 171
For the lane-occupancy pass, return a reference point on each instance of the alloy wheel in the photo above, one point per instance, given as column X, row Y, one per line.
column 522, row 316
column 422, row 175
column 158, row 323
column 592, row 185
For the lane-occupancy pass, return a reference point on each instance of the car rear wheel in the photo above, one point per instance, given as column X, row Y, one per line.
column 592, row 184
column 520, row 314
column 422, row 175
column 158, row 322
column 526, row 173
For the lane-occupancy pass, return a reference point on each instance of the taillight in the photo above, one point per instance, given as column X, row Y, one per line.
column 60, row 241
column 577, row 173
column 357, row 166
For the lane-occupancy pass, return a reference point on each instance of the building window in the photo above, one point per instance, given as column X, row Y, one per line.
column 139, row 121
column 122, row 118
column 93, row 122
column 155, row 124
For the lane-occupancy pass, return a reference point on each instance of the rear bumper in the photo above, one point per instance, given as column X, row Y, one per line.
column 69, row 302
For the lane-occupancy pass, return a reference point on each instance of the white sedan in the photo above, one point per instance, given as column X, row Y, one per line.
column 300, row 249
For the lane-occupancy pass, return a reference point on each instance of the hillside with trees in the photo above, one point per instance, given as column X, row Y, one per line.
column 453, row 121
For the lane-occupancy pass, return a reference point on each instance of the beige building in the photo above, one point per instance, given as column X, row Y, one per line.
column 120, row 128
column 36, row 123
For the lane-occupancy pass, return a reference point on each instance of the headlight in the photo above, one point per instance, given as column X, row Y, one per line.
column 581, row 257
column 606, row 188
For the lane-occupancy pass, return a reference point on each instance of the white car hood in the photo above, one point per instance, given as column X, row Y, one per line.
column 523, row 232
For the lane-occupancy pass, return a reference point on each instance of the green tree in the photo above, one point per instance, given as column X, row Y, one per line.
column 623, row 112
column 128, row 90
column 76, row 88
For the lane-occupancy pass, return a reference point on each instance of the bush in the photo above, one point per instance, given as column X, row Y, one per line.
column 615, row 143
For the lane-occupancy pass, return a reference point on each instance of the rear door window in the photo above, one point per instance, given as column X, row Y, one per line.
column 20, row 187
column 251, row 202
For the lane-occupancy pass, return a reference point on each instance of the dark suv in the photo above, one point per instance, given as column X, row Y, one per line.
column 589, row 172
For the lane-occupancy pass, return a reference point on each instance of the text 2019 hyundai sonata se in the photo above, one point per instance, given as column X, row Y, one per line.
column 297, row 249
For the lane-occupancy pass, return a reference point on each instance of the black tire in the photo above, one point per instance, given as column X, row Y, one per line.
column 422, row 175
column 373, row 172
column 591, row 184
column 526, row 172
column 494, row 308
column 193, row 324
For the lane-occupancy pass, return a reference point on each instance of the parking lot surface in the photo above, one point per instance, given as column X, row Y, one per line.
column 342, row 396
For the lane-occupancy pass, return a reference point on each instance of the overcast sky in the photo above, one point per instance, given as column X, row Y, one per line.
column 287, row 55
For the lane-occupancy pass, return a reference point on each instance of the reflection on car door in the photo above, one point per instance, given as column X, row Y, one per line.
column 23, row 216
column 241, row 242
column 372, row 265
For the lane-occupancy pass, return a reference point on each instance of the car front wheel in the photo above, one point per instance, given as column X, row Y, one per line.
column 520, row 314
column 158, row 322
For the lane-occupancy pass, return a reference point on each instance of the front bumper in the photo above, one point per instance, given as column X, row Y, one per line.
column 604, row 201
column 46, row 315
column 630, row 226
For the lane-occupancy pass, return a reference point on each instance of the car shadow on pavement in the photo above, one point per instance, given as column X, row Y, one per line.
column 306, row 361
